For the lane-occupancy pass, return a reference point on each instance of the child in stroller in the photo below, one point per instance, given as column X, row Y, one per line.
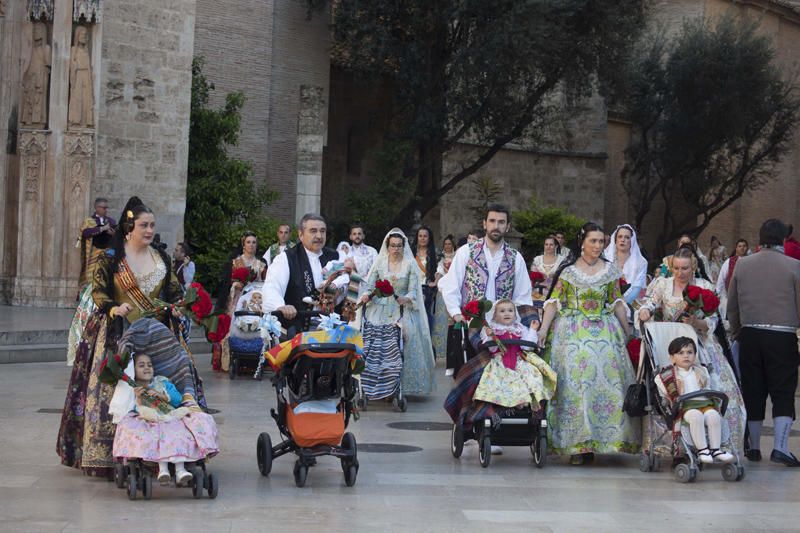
column 156, row 421
column 316, row 391
column 670, row 368
column 509, row 401
column 245, row 341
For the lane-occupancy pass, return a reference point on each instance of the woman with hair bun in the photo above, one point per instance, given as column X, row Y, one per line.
column 584, row 330
column 126, row 280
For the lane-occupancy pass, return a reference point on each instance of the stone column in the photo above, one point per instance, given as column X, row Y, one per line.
column 311, row 128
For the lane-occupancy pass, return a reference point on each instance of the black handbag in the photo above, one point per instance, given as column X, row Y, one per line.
column 635, row 400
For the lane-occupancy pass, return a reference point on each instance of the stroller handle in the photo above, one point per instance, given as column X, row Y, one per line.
column 247, row 313
column 512, row 342
column 300, row 313
column 712, row 394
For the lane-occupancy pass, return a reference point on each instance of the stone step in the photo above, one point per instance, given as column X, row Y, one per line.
column 50, row 336
column 42, row 352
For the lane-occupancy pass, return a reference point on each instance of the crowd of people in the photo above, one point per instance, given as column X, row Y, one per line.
column 582, row 308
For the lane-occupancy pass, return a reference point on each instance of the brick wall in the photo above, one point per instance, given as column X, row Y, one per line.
column 145, row 87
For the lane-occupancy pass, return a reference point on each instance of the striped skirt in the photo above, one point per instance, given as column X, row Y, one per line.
column 383, row 363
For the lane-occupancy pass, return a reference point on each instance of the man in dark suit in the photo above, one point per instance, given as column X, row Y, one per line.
column 297, row 272
column 764, row 315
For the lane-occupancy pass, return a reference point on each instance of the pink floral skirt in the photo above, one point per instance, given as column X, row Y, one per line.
column 191, row 438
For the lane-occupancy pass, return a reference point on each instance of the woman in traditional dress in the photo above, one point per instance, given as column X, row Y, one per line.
column 665, row 295
column 716, row 256
column 584, row 330
column 441, row 319
column 425, row 253
column 231, row 290
column 624, row 252
column 549, row 262
column 126, row 280
column 386, row 318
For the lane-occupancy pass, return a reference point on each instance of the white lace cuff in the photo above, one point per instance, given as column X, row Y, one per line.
column 552, row 301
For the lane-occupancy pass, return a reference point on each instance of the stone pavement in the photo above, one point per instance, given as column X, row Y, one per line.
column 423, row 489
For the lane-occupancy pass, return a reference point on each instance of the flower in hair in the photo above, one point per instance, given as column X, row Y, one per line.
column 129, row 214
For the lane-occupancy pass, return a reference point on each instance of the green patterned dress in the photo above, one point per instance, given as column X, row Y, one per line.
column 586, row 349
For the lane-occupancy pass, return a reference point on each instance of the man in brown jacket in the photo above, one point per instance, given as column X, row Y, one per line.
column 764, row 314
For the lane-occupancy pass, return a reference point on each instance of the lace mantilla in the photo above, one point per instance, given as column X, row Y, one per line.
column 576, row 277
column 149, row 281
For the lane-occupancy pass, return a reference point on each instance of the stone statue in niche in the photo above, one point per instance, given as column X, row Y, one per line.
column 36, row 81
column 81, row 95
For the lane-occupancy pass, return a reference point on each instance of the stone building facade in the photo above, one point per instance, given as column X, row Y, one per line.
column 310, row 131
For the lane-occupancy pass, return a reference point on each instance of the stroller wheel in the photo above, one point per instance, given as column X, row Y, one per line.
column 198, row 482
column 684, row 473
column 119, row 475
column 233, row 368
column 732, row 472
column 147, row 486
column 264, row 454
column 485, row 452
column 349, row 444
column 539, row 449
column 212, row 486
column 350, row 474
column 402, row 404
column 300, row 474
column 457, row 441
column 133, row 485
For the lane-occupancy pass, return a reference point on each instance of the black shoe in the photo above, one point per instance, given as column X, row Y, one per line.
column 753, row 455
column 784, row 459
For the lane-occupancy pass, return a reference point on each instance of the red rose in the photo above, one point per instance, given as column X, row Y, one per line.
column 536, row 276
column 118, row 359
column 240, row 274
column 693, row 292
column 202, row 306
column 472, row 308
column 103, row 364
column 634, row 347
column 710, row 302
column 385, row 287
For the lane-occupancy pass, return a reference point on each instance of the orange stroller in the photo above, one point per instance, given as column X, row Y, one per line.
column 315, row 388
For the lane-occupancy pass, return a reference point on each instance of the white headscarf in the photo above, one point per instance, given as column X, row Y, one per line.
column 344, row 249
column 635, row 269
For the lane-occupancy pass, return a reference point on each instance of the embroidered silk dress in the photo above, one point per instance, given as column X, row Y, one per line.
column 660, row 296
column 86, row 434
column 586, row 349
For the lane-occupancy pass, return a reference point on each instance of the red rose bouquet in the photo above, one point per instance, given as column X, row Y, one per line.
column 196, row 304
column 243, row 275
column 383, row 289
column 536, row 277
column 700, row 302
column 634, row 349
column 624, row 285
column 218, row 328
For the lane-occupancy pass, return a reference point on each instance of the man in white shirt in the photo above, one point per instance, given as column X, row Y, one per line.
column 284, row 231
column 297, row 272
column 363, row 255
column 488, row 268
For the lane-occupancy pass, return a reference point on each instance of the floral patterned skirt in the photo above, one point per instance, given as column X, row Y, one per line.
column 190, row 438
column 589, row 357
column 529, row 383
column 84, row 310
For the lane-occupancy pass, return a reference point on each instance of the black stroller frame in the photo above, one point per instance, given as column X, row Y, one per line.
column 306, row 378
column 686, row 465
column 515, row 426
column 137, row 475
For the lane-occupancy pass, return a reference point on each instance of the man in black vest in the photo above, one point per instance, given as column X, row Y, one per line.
column 296, row 273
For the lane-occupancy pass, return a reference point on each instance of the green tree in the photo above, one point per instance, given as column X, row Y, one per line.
column 221, row 199
column 711, row 120
column 485, row 73
column 536, row 223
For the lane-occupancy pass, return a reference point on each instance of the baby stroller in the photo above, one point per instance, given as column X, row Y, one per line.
column 245, row 340
column 170, row 360
column 656, row 338
column 503, row 426
column 315, row 389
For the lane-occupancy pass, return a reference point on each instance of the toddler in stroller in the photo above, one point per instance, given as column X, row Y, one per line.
column 316, row 390
column 692, row 413
column 245, row 340
column 509, row 400
column 156, row 421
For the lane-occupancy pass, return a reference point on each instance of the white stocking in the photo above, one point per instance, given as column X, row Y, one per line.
column 714, row 425
column 697, row 427
column 163, row 467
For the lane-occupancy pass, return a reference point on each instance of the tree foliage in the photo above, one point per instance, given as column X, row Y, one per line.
column 485, row 73
column 536, row 223
column 221, row 199
column 711, row 117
